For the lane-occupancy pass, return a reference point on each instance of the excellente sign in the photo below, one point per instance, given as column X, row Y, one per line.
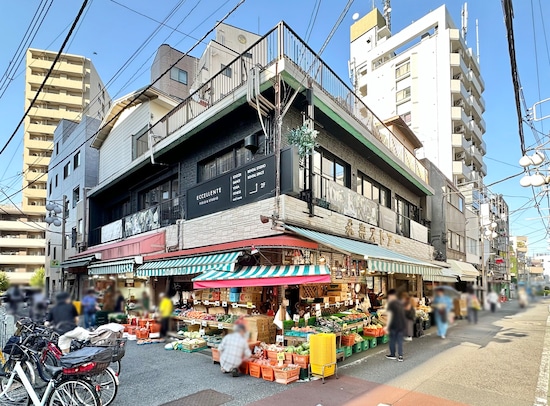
column 248, row 184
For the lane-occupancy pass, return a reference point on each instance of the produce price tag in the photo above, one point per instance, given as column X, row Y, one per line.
column 249, row 305
column 346, row 303
column 235, row 305
column 220, row 326
column 201, row 331
column 296, row 318
column 356, row 302
column 307, row 316
column 338, row 304
column 280, row 338
column 217, row 303
column 206, row 302
column 326, row 305
column 318, row 313
column 195, row 321
column 224, row 304
column 204, row 323
column 280, row 356
column 318, row 306
column 344, row 326
column 196, row 302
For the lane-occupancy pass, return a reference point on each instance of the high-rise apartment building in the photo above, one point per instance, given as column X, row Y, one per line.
column 427, row 74
column 74, row 88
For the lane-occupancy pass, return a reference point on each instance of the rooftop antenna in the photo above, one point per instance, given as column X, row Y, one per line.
column 387, row 13
column 477, row 41
column 373, row 5
column 464, row 15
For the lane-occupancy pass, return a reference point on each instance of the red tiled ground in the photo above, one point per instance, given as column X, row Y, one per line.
column 350, row 391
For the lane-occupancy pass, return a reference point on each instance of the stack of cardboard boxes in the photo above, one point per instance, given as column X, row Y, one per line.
column 338, row 292
column 261, row 328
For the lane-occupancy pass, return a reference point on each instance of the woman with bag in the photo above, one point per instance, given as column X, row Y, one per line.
column 473, row 305
column 442, row 306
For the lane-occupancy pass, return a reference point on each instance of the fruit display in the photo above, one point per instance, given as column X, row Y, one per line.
column 226, row 318
column 354, row 317
column 331, row 323
column 187, row 344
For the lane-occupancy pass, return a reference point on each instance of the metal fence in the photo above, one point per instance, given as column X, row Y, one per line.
column 7, row 326
column 283, row 43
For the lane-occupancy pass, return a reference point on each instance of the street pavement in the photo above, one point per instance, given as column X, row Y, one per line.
column 496, row 362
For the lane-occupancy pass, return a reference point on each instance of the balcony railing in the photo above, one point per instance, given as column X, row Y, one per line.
column 278, row 44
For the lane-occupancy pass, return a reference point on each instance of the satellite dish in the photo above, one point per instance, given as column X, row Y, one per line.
column 355, row 16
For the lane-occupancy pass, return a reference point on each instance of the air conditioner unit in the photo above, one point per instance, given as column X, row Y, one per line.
column 459, row 129
column 458, row 76
column 459, row 103
column 460, row 156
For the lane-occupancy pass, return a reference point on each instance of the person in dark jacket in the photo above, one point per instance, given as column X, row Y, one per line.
column 410, row 315
column 396, row 326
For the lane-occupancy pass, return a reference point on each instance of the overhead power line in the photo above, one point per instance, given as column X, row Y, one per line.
column 73, row 26
column 140, row 94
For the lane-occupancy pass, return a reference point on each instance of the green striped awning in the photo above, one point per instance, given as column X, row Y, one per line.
column 379, row 259
column 190, row 265
column 264, row 276
column 112, row 267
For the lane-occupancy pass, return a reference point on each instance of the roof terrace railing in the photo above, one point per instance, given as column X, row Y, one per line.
column 283, row 43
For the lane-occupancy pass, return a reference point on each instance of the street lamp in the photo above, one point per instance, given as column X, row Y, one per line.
column 489, row 234
column 56, row 216
column 537, row 179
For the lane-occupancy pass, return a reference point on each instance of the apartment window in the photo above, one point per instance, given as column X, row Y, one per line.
column 471, row 246
column 159, row 195
column 50, row 188
column 227, row 71
column 73, row 237
column 227, row 160
column 140, row 144
column 406, row 117
column 66, row 211
column 403, row 95
column 373, row 190
column 461, row 203
column 332, row 168
column 56, row 183
column 76, row 196
column 66, row 170
column 76, row 160
column 179, row 75
column 57, row 148
column 406, row 212
column 54, row 253
column 80, row 226
column 402, row 70
column 49, row 248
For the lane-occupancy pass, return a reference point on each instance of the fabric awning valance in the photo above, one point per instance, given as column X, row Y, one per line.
column 113, row 267
column 464, row 270
column 380, row 259
column 80, row 262
column 275, row 275
column 191, row 265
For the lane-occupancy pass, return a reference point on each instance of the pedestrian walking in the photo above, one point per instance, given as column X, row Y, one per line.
column 492, row 299
column 234, row 350
column 473, row 305
column 442, row 306
column 63, row 317
column 89, row 308
column 15, row 298
column 396, row 325
column 410, row 316
column 166, row 308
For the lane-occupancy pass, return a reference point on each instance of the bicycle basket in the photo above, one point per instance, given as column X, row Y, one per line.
column 119, row 350
column 85, row 355
column 104, row 338
column 12, row 347
column 87, row 369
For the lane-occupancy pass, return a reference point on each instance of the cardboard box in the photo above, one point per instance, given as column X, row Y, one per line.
column 250, row 297
column 252, row 289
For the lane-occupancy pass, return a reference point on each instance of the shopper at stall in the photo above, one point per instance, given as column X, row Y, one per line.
column 166, row 308
column 63, row 317
column 120, row 302
column 396, row 325
column 234, row 350
column 473, row 305
column 410, row 315
column 89, row 308
column 145, row 301
column 442, row 305
column 492, row 299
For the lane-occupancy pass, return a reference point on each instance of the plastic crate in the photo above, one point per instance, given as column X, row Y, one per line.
column 302, row 360
column 286, row 377
column 365, row 345
column 255, row 370
column 268, row 373
column 348, row 351
column 244, row 368
column 373, row 342
column 426, row 324
column 357, row 347
column 383, row 340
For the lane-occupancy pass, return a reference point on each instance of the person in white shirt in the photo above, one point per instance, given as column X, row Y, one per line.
column 492, row 298
column 234, row 350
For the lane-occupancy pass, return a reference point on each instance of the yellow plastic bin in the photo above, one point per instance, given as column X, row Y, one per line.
column 78, row 306
column 322, row 354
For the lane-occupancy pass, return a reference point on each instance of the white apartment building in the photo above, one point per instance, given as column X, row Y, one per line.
column 427, row 74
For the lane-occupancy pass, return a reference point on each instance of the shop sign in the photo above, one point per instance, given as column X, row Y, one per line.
column 54, row 263
column 388, row 219
column 350, row 203
column 129, row 283
column 251, row 183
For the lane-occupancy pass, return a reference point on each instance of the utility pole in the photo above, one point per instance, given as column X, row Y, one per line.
column 63, row 241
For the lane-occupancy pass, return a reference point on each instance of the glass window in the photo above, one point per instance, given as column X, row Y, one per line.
column 76, row 196
column 328, row 167
column 340, row 174
column 375, row 193
column 227, row 71
column 66, row 170
column 373, row 190
column 179, row 75
column 460, row 203
column 76, row 160
column 402, row 69
column 402, row 95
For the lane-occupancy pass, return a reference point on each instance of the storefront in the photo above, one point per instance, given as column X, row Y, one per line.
column 76, row 275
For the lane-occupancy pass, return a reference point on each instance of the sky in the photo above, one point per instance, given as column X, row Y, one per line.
column 111, row 31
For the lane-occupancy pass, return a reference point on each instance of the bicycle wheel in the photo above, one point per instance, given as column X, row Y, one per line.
column 74, row 392
column 106, row 386
column 116, row 367
column 28, row 368
column 50, row 360
column 15, row 394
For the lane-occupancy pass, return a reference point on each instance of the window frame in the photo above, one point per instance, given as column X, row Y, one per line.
column 226, row 70
column 76, row 196
column 175, row 75
column 76, row 160
column 362, row 178
column 67, row 170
